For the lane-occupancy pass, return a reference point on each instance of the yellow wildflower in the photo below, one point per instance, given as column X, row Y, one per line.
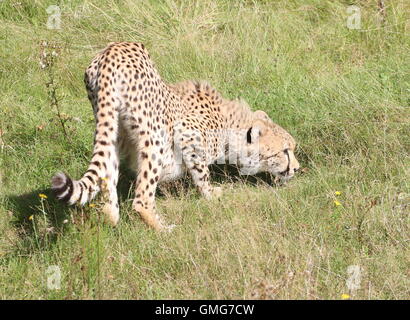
column 345, row 296
column 42, row 196
column 338, row 193
column 337, row 203
column 31, row 217
column 92, row 205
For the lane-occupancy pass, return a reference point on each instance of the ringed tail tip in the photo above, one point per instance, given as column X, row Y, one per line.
column 62, row 186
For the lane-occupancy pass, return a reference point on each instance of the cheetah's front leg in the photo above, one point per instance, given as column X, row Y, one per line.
column 200, row 176
column 193, row 154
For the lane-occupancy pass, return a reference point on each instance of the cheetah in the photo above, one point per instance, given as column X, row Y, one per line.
column 165, row 131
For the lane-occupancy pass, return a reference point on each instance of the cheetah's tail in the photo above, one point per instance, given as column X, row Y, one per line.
column 72, row 191
column 105, row 159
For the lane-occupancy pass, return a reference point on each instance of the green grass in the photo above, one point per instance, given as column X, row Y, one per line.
column 343, row 94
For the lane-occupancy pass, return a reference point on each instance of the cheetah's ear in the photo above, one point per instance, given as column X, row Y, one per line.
column 258, row 129
column 262, row 115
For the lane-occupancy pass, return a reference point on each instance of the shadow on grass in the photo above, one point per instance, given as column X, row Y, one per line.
column 40, row 220
column 220, row 174
column 230, row 173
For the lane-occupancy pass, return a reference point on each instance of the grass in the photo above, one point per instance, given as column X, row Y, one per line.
column 344, row 94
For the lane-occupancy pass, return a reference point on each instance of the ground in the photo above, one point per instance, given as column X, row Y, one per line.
column 339, row 230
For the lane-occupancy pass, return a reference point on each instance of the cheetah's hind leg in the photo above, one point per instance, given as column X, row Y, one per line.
column 147, row 180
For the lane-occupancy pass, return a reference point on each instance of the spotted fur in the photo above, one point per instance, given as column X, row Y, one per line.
column 166, row 130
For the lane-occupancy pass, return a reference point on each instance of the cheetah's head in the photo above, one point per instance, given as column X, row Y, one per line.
column 270, row 148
